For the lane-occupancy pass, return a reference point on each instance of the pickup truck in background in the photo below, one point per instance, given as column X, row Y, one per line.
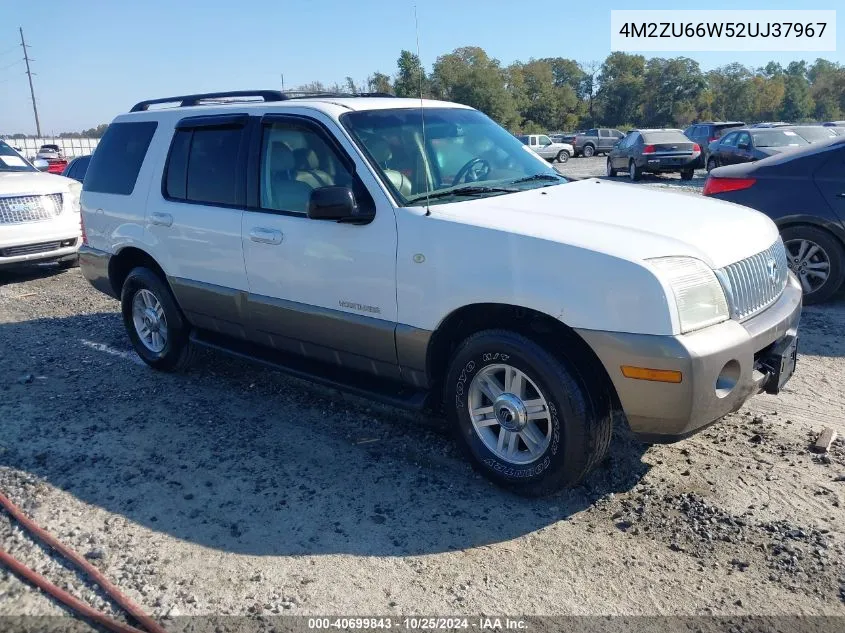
column 596, row 141
column 548, row 149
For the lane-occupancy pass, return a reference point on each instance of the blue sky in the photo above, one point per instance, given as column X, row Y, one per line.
column 95, row 58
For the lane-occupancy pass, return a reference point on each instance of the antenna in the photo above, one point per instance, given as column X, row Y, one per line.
column 422, row 115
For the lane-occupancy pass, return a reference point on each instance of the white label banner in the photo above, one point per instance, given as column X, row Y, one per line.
column 722, row 30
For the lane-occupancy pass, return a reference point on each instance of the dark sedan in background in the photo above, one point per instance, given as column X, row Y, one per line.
column 804, row 193
column 656, row 151
column 754, row 143
column 77, row 167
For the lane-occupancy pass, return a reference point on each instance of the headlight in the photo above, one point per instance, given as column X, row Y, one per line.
column 73, row 199
column 698, row 294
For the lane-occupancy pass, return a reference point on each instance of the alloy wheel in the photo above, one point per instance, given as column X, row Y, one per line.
column 810, row 262
column 149, row 320
column 509, row 414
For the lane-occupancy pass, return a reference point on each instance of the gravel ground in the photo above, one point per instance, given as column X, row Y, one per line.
column 595, row 166
column 231, row 489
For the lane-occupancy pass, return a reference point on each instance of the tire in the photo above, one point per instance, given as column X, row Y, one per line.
column 562, row 156
column 609, row 170
column 634, row 172
column 687, row 174
column 576, row 429
column 711, row 164
column 588, row 151
column 177, row 351
column 830, row 252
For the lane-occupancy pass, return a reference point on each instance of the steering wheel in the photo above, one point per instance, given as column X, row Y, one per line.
column 474, row 170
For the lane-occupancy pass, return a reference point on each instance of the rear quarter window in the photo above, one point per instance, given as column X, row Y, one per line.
column 120, row 153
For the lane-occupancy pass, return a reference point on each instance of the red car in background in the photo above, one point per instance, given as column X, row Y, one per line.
column 53, row 155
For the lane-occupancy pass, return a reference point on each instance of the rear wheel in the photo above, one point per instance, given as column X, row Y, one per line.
column 526, row 418
column 154, row 322
column 562, row 156
column 634, row 172
column 687, row 174
column 588, row 151
column 818, row 260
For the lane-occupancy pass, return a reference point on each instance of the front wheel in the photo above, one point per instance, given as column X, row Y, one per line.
column 609, row 170
column 562, row 156
column 711, row 164
column 818, row 260
column 525, row 417
column 153, row 321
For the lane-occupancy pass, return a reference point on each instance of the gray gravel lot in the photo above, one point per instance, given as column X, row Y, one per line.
column 595, row 167
column 231, row 489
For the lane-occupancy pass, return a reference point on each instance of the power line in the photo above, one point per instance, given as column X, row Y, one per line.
column 31, row 89
column 14, row 63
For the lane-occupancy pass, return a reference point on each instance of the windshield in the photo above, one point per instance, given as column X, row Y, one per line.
column 463, row 153
column 777, row 138
column 10, row 160
column 816, row 134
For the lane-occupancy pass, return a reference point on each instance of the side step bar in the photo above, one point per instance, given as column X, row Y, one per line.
column 358, row 383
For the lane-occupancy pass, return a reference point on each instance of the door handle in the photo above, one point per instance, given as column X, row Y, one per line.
column 162, row 219
column 266, row 236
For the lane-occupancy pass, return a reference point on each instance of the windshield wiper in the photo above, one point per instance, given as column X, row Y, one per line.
column 537, row 177
column 469, row 190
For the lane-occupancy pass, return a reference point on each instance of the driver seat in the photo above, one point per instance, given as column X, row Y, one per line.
column 382, row 153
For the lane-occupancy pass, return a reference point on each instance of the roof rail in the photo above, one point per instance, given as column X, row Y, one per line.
column 309, row 94
column 192, row 100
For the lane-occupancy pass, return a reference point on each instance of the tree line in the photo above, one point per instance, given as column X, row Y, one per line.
column 624, row 90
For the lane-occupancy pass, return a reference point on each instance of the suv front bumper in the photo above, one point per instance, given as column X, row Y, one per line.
column 722, row 366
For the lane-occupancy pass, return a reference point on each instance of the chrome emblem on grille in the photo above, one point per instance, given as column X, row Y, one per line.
column 772, row 268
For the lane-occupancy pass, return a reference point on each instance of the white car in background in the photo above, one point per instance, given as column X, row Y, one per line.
column 548, row 149
column 39, row 214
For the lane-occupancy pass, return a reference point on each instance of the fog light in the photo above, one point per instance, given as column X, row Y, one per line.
column 727, row 379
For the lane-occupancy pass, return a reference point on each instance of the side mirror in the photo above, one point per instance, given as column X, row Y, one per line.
column 337, row 204
column 40, row 164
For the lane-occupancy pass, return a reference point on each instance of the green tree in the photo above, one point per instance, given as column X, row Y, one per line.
column 797, row 102
column 379, row 82
column 469, row 76
column 672, row 88
column 410, row 76
column 621, row 88
column 732, row 91
column 827, row 88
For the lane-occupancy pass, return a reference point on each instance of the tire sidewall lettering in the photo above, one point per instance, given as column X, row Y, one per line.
column 500, row 467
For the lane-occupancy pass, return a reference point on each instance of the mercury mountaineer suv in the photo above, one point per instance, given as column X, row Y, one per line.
column 418, row 253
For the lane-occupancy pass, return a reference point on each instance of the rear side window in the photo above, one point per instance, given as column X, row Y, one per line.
column 120, row 153
column 203, row 165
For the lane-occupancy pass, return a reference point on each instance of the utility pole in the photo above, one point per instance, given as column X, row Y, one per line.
column 31, row 89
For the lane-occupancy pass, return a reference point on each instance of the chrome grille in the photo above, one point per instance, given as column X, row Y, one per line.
column 20, row 209
column 754, row 283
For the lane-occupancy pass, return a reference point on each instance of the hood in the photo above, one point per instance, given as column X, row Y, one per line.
column 623, row 220
column 37, row 182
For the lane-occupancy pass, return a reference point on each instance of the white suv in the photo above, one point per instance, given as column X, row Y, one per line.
column 39, row 214
column 422, row 255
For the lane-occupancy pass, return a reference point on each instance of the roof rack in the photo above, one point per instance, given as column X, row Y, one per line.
column 192, row 100
column 186, row 101
column 308, row 94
